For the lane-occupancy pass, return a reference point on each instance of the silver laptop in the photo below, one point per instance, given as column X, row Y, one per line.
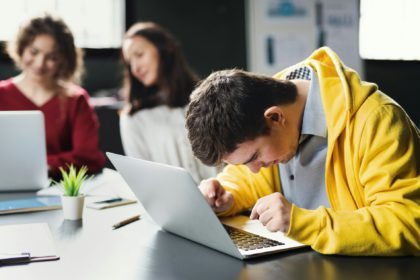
column 23, row 157
column 172, row 199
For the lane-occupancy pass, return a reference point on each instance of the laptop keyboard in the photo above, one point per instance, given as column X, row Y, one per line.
column 248, row 241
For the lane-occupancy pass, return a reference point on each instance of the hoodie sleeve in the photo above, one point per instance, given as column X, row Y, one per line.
column 247, row 187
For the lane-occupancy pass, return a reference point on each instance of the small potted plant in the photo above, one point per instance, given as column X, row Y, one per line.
column 72, row 200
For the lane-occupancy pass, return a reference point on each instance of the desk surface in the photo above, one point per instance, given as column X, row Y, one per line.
column 90, row 249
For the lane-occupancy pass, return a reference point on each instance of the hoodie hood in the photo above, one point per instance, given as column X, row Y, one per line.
column 340, row 86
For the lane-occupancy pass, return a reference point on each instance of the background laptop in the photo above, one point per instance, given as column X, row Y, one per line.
column 23, row 157
column 173, row 200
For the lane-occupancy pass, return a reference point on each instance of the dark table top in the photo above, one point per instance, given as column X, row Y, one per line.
column 91, row 249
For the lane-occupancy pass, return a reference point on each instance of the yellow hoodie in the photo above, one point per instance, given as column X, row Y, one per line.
column 372, row 171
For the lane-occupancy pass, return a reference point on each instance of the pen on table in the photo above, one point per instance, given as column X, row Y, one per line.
column 126, row 221
column 110, row 200
column 7, row 258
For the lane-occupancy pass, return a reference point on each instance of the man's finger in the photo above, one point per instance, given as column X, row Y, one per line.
column 265, row 217
column 221, row 197
column 211, row 191
column 254, row 214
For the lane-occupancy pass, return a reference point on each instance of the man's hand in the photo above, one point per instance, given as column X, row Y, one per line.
column 218, row 198
column 273, row 211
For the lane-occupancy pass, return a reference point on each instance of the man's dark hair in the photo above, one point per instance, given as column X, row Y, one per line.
column 227, row 108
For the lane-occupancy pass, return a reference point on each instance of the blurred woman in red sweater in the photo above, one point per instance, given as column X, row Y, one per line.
column 51, row 66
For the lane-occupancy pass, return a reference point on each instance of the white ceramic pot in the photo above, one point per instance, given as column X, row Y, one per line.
column 73, row 207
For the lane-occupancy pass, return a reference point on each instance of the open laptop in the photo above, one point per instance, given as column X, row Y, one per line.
column 172, row 199
column 23, row 157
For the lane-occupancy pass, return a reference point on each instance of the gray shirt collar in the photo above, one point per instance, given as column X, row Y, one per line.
column 313, row 122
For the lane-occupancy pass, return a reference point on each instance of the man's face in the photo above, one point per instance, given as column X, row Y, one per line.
column 277, row 147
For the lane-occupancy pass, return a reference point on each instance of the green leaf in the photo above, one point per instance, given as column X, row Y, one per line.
column 72, row 179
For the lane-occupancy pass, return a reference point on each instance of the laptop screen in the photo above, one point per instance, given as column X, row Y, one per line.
column 23, row 157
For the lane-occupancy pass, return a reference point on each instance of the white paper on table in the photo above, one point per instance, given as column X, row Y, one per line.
column 34, row 238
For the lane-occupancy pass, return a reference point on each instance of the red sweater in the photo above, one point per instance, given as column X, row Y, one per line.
column 70, row 123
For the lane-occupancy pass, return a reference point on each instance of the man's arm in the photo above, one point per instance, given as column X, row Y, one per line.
column 247, row 187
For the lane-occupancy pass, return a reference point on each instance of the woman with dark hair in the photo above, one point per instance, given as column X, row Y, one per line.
column 157, row 86
column 51, row 66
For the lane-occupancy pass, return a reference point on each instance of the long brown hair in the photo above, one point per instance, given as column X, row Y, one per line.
column 176, row 80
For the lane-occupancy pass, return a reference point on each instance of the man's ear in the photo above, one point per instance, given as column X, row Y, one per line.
column 274, row 115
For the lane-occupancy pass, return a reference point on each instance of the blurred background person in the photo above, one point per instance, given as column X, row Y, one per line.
column 157, row 86
column 51, row 66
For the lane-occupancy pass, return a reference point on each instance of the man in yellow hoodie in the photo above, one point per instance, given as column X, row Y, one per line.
column 316, row 153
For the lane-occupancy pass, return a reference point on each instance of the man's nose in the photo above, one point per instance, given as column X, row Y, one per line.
column 254, row 166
